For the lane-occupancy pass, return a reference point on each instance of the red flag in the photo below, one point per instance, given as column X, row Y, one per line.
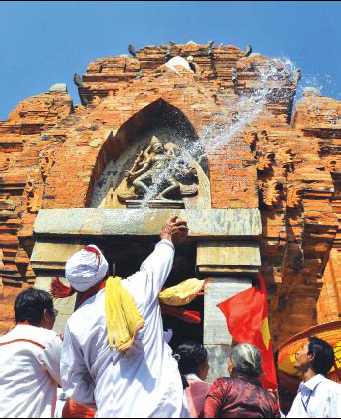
column 247, row 320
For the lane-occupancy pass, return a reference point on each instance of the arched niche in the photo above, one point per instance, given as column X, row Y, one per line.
column 157, row 122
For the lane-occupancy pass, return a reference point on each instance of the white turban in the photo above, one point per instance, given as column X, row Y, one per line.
column 85, row 269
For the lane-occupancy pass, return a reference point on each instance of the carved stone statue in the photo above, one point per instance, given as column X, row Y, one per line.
column 160, row 172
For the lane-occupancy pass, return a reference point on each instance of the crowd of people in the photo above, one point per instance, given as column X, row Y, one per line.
column 114, row 359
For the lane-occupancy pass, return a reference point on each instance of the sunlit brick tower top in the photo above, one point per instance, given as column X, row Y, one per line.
column 261, row 158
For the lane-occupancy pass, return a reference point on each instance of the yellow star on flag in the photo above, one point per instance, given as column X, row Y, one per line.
column 266, row 333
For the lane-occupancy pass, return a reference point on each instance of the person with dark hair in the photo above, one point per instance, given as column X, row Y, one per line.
column 317, row 396
column 30, row 359
column 241, row 395
column 193, row 365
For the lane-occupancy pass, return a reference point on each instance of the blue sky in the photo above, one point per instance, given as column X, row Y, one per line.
column 46, row 42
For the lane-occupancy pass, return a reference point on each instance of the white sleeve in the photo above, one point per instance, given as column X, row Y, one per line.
column 158, row 265
column 334, row 404
column 77, row 382
column 50, row 357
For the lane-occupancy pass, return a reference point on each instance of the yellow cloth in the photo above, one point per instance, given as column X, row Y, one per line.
column 183, row 293
column 123, row 317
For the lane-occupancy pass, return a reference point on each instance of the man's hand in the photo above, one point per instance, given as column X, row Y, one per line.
column 174, row 230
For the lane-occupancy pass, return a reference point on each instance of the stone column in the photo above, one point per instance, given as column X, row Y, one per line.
column 231, row 265
column 48, row 260
column 217, row 338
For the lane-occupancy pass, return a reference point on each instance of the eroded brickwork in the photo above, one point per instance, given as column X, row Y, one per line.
column 52, row 155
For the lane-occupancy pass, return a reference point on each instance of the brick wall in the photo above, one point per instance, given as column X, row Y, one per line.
column 52, row 155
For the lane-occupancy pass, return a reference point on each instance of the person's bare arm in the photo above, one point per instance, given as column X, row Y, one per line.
column 174, row 230
column 159, row 263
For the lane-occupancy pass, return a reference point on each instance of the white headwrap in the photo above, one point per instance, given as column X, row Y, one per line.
column 85, row 269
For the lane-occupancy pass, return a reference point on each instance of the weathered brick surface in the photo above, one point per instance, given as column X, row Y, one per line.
column 52, row 155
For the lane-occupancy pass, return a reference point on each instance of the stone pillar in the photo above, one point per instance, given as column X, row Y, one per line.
column 217, row 338
column 48, row 260
column 231, row 265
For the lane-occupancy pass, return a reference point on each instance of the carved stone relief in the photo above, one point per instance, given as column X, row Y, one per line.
column 293, row 196
column 33, row 193
column 271, row 193
column 284, row 157
column 264, row 161
column 46, row 161
column 157, row 171
column 6, row 204
column 251, row 138
column 5, row 164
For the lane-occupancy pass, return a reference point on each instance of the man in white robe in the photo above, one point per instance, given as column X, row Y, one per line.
column 30, row 359
column 143, row 381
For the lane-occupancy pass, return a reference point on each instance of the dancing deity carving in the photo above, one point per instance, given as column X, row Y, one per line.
column 159, row 173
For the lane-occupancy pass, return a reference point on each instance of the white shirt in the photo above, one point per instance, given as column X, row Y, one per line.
column 145, row 380
column 29, row 372
column 317, row 398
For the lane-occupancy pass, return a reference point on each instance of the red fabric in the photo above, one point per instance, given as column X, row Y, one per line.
column 245, row 314
column 23, row 340
column 73, row 409
column 91, row 292
column 239, row 398
column 186, row 316
column 60, row 290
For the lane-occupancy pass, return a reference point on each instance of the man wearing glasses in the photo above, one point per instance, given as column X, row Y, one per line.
column 30, row 359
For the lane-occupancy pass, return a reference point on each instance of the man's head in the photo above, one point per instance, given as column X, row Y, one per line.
column 86, row 268
column 315, row 354
column 158, row 148
column 35, row 307
column 193, row 359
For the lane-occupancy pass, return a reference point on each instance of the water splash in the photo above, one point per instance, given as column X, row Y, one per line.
column 273, row 84
column 327, row 87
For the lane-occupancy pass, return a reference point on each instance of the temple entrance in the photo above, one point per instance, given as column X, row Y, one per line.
column 222, row 244
column 125, row 256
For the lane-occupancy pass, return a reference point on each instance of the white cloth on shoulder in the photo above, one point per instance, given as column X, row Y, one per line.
column 85, row 269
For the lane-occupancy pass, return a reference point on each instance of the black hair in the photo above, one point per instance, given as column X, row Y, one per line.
column 324, row 355
column 191, row 356
column 30, row 305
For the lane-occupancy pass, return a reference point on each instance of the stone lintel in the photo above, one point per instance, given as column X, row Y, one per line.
column 204, row 224
column 233, row 257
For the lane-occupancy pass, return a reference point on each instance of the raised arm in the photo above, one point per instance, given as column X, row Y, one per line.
column 159, row 263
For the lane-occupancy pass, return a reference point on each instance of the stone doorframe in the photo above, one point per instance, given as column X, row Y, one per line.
column 227, row 250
